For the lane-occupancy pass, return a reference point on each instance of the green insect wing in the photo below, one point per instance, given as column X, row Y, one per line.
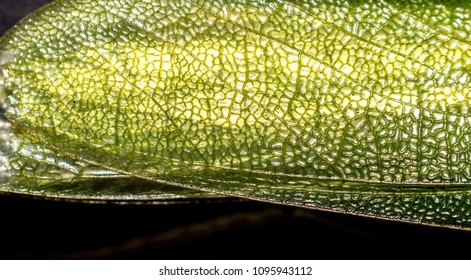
column 358, row 107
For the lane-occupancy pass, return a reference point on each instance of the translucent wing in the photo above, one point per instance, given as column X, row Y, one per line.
column 346, row 106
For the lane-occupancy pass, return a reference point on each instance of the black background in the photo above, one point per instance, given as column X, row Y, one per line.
column 219, row 229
